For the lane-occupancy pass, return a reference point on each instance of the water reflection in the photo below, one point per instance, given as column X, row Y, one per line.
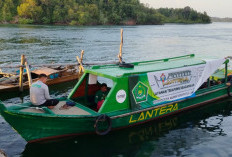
column 176, row 135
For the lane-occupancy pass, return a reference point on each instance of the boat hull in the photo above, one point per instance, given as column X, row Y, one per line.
column 157, row 112
column 37, row 128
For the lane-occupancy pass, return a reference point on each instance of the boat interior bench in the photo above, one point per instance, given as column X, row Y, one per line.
column 75, row 110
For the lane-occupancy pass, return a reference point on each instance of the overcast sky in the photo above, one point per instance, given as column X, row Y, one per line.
column 214, row 8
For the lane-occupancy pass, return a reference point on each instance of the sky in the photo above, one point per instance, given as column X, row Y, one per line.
column 214, row 8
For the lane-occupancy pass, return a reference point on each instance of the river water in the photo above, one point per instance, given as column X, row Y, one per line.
column 205, row 131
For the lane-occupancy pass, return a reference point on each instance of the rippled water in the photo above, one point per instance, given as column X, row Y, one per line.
column 205, row 131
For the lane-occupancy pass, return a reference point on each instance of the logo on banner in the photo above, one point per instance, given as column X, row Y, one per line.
column 163, row 78
column 174, row 78
column 140, row 92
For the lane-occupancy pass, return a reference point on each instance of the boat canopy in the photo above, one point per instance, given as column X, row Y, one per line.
column 115, row 71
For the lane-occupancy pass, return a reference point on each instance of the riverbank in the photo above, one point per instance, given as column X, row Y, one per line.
column 95, row 12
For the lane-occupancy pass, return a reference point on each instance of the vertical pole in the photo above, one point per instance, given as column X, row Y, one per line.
column 21, row 73
column 81, row 68
column 120, row 50
column 82, row 53
column 208, row 83
column 86, row 88
column 28, row 73
column 226, row 72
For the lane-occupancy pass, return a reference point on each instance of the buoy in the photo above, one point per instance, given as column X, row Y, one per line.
column 2, row 153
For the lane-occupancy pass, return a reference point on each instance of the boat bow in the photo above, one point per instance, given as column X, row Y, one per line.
column 2, row 107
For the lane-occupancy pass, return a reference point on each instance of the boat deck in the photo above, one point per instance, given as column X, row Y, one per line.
column 56, row 110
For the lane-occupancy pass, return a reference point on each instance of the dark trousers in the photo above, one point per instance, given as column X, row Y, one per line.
column 50, row 102
column 229, row 79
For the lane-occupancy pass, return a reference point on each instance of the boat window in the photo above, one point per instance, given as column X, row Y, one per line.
column 90, row 85
column 107, row 81
column 94, row 79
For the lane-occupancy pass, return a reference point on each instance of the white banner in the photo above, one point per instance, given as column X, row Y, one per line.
column 174, row 84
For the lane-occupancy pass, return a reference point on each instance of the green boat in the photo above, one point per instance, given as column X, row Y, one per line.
column 138, row 92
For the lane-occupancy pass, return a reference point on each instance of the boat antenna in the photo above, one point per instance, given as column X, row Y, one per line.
column 120, row 50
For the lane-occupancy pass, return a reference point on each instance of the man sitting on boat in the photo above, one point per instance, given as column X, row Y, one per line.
column 39, row 93
column 101, row 95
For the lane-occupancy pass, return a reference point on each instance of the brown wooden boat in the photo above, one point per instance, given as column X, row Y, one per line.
column 56, row 75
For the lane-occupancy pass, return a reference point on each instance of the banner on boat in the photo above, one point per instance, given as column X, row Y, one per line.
column 175, row 84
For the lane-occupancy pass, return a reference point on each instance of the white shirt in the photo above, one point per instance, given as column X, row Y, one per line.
column 39, row 93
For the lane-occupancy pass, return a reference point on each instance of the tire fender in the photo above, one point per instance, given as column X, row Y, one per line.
column 106, row 118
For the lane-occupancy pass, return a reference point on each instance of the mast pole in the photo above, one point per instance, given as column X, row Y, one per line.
column 21, row 73
column 120, row 50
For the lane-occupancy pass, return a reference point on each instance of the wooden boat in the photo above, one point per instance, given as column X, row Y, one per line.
column 56, row 75
column 139, row 92
column 131, row 138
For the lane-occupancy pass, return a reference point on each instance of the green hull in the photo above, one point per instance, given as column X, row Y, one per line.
column 151, row 90
column 35, row 128
column 127, row 141
column 152, row 113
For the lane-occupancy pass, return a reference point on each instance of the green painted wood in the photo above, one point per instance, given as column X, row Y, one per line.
column 112, row 71
column 37, row 126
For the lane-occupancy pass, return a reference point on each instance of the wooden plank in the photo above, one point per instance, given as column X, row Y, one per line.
column 65, row 64
column 45, row 70
column 28, row 73
column 21, row 73
column 81, row 68
column 120, row 50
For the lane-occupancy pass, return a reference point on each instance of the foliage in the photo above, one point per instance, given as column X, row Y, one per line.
column 25, row 21
column 94, row 12
column 30, row 10
column 7, row 10
column 185, row 15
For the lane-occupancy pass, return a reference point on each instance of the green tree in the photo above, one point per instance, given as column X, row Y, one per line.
column 7, row 10
column 30, row 10
column 93, row 12
column 1, row 3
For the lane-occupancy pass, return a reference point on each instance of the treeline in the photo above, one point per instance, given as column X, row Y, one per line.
column 218, row 19
column 93, row 12
column 185, row 15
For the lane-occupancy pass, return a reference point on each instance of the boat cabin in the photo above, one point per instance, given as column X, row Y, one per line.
column 134, row 88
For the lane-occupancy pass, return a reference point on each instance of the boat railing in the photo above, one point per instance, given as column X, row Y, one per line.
column 165, row 60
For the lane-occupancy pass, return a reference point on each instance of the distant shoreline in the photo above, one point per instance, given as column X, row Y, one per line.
column 218, row 19
column 91, row 13
column 37, row 24
column 124, row 24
